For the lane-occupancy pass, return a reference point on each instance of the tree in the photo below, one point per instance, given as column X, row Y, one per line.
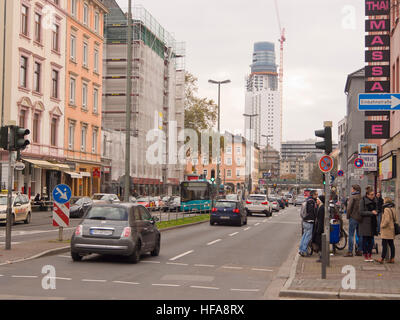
column 316, row 175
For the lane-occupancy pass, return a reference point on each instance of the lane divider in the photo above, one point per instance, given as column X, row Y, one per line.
column 181, row 255
column 212, row 242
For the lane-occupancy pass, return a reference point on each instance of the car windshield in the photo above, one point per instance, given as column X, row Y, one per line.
column 225, row 204
column 107, row 213
column 99, row 197
column 231, row 196
column 3, row 201
column 257, row 198
column 142, row 200
column 80, row 201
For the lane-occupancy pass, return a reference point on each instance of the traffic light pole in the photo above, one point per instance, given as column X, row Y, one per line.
column 9, row 194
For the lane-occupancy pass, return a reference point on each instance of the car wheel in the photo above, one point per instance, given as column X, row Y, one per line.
column 135, row 256
column 28, row 218
column 245, row 222
column 156, row 250
column 211, row 223
column 267, row 213
column 76, row 256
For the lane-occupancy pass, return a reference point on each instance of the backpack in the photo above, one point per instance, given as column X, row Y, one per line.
column 303, row 210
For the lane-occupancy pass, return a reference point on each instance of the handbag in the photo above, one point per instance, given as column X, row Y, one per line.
column 396, row 225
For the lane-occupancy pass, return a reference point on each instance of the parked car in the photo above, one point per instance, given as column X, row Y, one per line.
column 274, row 203
column 232, row 196
column 20, row 207
column 79, row 206
column 290, row 198
column 125, row 229
column 299, row 200
column 158, row 203
column 146, row 202
column 228, row 212
column 105, row 198
column 132, row 199
column 173, row 204
column 258, row 203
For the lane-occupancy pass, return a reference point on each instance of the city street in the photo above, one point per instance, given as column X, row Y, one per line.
column 196, row 262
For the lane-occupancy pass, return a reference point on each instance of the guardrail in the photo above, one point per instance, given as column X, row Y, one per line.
column 179, row 213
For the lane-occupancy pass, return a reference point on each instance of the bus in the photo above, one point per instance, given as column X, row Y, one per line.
column 196, row 195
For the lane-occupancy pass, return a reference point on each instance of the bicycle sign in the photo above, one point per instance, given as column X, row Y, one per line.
column 326, row 164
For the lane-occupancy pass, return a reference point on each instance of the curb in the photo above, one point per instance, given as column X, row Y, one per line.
column 65, row 249
column 338, row 295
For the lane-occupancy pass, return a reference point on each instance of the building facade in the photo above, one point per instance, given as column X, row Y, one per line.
column 34, row 90
column 83, row 78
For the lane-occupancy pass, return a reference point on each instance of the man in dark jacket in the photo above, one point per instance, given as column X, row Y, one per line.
column 379, row 200
column 308, row 222
column 319, row 226
column 354, row 217
column 368, row 225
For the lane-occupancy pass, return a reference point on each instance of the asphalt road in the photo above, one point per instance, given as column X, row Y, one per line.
column 197, row 262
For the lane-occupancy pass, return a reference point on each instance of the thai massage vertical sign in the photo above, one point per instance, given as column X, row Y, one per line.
column 377, row 54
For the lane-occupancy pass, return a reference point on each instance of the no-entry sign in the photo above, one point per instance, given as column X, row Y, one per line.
column 326, row 164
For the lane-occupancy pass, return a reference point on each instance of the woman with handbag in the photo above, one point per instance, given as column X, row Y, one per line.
column 389, row 220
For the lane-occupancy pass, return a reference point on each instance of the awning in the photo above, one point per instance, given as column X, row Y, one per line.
column 85, row 174
column 62, row 166
column 74, row 175
column 42, row 164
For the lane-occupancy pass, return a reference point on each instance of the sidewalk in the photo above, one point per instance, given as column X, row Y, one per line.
column 373, row 280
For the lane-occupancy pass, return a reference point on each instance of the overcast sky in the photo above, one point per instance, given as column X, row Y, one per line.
column 325, row 42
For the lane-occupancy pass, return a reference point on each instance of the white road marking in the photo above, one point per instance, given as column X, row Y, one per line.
column 265, row 220
column 205, row 265
column 228, row 267
column 267, row 270
column 200, row 287
column 177, row 264
column 61, row 256
column 232, row 234
column 165, row 285
column 247, row 228
column 215, row 241
column 181, row 255
column 150, row 262
column 125, row 282
column 24, row 276
column 257, row 224
column 93, row 280
column 58, row 278
column 246, row 290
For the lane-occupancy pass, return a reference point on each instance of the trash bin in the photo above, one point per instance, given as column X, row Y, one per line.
column 335, row 233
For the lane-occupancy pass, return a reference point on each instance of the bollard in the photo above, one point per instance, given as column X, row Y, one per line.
column 324, row 256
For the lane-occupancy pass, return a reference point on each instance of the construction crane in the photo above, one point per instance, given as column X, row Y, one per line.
column 281, row 40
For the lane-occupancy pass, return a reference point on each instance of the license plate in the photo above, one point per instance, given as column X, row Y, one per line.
column 225, row 218
column 97, row 232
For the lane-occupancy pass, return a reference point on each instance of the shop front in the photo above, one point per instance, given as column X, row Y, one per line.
column 387, row 175
column 84, row 181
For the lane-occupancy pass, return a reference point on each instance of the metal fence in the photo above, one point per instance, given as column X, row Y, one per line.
column 178, row 213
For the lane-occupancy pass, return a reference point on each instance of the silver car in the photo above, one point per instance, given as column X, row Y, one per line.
column 258, row 203
column 274, row 203
column 299, row 201
column 105, row 198
column 125, row 229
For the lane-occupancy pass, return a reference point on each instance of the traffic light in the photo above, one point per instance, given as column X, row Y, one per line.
column 18, row 141
column 4, row 138
column 323, row 179
column 212, row 175
column 326, row 134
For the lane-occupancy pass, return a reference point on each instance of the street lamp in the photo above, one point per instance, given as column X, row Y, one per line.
column 219, row 123
column 251, row 142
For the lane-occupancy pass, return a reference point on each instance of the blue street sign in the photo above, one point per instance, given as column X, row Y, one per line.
column 62, row 193
column 340, row 173
column 378, row 101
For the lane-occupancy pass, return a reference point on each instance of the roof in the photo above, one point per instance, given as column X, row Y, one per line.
column 356, row 74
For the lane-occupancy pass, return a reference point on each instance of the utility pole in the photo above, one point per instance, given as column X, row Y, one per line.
column 251, row 146
column 128, row 106
column 4, row 62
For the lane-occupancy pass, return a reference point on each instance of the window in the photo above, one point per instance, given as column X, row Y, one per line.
column 85, row 14
column 205, row 160
column 205, row 172
column 238, row 173
column 238, row 150
column 229, row 173
column 38, row 27
column 83, row 138
column 71, row 136
column 72, row 88
column 54, row 84
column 73, row 7
column 85, row 54
column 24, row 20
column 55, row 37
column 238, row 161
column 229, row 161
column 84, row 95
column 96, row 60
column 73, row 48
column 22, row 118
column 229, row 150
column 94, row 140
column 36, row 76
column 53, row 132
column 23, row 69
column 95, row 100
column 96, row 22
column 35, row 127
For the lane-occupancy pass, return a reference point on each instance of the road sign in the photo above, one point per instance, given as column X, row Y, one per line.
column 326, row 164
column 60, row 215
column 62, row 193
column 19, row 166
column 359, row 163
column 340, row 173
column 378, row 101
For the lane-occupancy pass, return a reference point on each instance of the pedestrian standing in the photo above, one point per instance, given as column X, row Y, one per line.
column 379, row 200
column 389, row 218
column 354, row 217
column 368, row 225
column 319, row 227
column 308, row 222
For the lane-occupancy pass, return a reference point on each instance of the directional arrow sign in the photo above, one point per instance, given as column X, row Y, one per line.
column 378, row 101
column 62, row 193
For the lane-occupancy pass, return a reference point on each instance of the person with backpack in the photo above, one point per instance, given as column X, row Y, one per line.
column 368, row 225
column 308, row 213
column 389, row 218
column 354, row 217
